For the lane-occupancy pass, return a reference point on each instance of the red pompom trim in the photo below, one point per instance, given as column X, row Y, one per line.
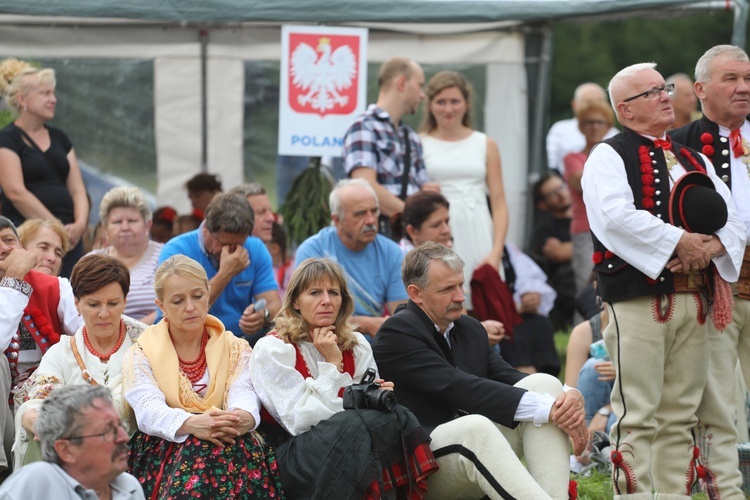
column 707, row 138
column 708, row 150
column 608, row 254
column 648, row 203
column 597, row 257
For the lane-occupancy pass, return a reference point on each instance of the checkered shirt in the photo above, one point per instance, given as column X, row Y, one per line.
column 373, row 142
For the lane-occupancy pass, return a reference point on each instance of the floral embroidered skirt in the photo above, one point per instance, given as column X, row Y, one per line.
column 200, row 469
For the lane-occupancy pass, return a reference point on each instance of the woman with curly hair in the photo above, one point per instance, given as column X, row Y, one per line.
column 301, row 373
column 39, row 173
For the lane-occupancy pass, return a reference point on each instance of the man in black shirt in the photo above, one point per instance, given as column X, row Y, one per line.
column 552, row 246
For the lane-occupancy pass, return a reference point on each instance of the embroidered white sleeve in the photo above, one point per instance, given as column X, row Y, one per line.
column 13, row 303
column 296, row 403
column 241, row 394
column 152, row 413
column 70, row 320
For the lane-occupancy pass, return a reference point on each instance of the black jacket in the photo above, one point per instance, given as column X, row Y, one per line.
column 436, row 388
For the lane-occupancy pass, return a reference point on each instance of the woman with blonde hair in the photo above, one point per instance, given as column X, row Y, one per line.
column 466, row 165
column 126, row 218
column 39, row 173
column 301, row 373
column 188, row 383
column 594, row 120
column 48, row 240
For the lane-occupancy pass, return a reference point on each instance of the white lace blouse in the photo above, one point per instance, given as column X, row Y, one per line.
column 295, row 402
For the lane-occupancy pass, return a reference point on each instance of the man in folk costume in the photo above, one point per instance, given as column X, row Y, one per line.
column 657, row 277
column 723, row 85
column 36, row 309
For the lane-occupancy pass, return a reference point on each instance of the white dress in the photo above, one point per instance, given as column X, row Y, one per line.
column 460, row 168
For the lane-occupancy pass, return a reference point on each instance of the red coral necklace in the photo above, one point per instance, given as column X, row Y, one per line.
column 104, row 357
column 195, row 369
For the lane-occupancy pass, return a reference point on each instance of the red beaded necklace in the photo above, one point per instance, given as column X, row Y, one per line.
column 104, row 357
column 195, row 369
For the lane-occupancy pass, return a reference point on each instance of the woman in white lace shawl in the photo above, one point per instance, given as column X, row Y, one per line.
column 188, row 383
column 94, row 355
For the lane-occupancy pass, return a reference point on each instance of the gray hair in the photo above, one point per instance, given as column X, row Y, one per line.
column 618, row 81
column 416, row 265
column 703, row 66
column 124, row 197
column 61, row 415
column 7, row 223
column 230, row 213
column 334, row 200
column 249, row 189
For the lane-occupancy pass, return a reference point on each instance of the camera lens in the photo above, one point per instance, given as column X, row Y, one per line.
column 382, row 400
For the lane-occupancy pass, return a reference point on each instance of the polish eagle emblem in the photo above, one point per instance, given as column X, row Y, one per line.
column 321, row 76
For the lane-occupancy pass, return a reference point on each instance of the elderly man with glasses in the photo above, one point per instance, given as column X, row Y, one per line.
column 657, row 279
column 85, row 451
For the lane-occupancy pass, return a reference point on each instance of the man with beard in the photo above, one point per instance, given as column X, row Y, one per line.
column 372, row 262
column 380, row 148
column 84, row 450
column 722, row 77
column 665, row 236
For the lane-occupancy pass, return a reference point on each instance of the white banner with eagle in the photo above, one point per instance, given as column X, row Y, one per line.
column 323, row 87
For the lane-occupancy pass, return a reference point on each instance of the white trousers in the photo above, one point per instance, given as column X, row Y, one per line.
column 478, row 457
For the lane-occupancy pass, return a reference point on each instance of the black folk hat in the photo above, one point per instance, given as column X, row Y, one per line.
column 695, row 206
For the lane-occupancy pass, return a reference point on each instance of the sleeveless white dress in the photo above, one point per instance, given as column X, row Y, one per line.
column 460, row 168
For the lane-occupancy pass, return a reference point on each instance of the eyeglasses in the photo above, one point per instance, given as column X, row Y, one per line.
column 655, row 92
column 592, row 123
column 110, row 434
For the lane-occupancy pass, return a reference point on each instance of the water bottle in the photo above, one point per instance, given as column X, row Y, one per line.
column 598, row 350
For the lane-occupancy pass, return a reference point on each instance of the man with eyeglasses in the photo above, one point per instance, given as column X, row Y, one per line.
column 239, row 267
column 722, row 77
column 654, row 277
column 84, row 451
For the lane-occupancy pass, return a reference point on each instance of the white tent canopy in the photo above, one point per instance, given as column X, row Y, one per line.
column 199, row 118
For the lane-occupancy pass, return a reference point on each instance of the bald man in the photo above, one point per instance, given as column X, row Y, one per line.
column 653, row 275
column 565, row 136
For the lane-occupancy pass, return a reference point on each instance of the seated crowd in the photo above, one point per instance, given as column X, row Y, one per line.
column 198, row 356
column 206, row 415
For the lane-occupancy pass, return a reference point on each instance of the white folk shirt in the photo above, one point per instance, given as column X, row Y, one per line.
column 644, row 241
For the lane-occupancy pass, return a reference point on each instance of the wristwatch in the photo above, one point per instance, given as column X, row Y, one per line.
column 604, row 411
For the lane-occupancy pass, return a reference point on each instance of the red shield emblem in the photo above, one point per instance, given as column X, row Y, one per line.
column 323, row 73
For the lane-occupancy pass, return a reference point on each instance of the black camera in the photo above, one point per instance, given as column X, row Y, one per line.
column 368, row 394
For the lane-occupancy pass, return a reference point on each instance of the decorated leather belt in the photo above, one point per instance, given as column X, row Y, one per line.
column 742, row 287
column 689, row 282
